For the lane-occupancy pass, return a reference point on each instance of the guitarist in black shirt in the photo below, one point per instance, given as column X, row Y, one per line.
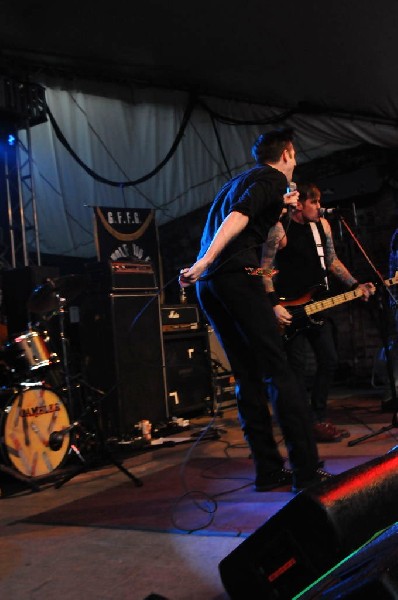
column 300, row 248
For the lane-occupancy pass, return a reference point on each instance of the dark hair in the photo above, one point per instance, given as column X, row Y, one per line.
column 269, row 146
column 307, row 191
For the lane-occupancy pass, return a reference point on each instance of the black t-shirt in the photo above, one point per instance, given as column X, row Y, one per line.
column 258, row 194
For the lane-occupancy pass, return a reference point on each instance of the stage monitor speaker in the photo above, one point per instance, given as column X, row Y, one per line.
column 318, row 528
column 188, row 373
column 122, row 355
column 18, row 285
column 370, row 572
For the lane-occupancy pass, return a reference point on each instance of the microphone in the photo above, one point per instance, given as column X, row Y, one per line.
column 292, row 187
column 56, row 438
column 325, row 212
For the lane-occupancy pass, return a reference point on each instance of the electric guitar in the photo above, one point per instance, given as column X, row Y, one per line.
column 304, row 307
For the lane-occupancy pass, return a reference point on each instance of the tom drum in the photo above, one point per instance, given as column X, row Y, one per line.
column 28, row 353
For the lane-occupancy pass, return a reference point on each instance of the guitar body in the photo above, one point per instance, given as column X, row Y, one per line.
column 302, row 309
column 300, row 318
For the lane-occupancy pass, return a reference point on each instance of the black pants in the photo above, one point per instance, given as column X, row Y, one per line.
column 238, row 309
column 321, row 340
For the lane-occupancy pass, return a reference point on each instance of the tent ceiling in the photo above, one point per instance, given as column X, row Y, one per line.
column 338, row 56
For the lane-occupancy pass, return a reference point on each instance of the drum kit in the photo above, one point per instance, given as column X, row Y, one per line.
column 36, row 403
column 35, row 420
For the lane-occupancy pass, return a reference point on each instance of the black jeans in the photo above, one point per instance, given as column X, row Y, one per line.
column 322, row 341
column 238, row 309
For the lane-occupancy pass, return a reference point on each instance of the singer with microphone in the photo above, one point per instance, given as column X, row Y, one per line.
column 240, row 311
column 301, row 250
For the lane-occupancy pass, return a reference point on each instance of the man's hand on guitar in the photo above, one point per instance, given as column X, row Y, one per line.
column 367, row 289
column 283, row 316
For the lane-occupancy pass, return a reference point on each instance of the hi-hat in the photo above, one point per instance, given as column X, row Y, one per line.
column 61, row 290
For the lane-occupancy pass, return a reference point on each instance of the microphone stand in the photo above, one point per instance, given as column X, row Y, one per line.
column 382, row 309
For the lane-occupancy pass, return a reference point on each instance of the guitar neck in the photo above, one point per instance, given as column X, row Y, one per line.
column 315, row 307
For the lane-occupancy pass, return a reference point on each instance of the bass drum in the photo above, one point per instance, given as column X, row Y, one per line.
column 31, row 416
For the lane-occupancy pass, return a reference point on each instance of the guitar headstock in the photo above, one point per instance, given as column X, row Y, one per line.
column 392, row 280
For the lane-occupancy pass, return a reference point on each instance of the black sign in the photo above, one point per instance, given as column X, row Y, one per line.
column 127, row 233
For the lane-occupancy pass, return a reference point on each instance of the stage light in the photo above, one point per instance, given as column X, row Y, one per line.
column 11, row 139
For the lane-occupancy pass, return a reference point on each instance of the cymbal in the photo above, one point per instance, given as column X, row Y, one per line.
column 55, row 292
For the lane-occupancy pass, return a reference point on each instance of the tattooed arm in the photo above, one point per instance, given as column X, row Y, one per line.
column 333, row 263
column 275, row 241
column 335, row 266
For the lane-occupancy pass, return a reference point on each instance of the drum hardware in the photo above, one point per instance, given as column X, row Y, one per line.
column 45, row 297
column 56, row 438
column 33, row 412
column 55, row 295
column 36, row 428
column 94, row 433
column 25, row 480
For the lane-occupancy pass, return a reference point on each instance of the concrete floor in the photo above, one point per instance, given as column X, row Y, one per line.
column 51, row 561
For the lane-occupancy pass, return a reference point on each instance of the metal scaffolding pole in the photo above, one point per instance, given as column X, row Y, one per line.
column 22, row 216
column 27, row 190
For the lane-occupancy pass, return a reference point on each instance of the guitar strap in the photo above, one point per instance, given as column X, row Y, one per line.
column 320, row 249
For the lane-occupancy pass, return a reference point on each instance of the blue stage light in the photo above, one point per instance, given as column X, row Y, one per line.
column 11, row 140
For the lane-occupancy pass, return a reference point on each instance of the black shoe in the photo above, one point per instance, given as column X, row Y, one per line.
column 319, row 477
column 275, row 479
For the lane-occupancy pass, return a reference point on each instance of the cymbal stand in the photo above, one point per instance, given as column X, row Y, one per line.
column 97, row 435
column 64, row 349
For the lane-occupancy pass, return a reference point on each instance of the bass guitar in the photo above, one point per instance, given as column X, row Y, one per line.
column 304, row 308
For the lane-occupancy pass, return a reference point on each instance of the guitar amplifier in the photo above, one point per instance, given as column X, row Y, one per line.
column 121, row 275
column 179, row 317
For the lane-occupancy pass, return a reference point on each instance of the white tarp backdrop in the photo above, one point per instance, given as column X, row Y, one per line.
column 124, row 140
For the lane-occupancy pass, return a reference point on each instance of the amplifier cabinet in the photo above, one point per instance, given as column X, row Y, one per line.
column 122, row 355
column 121, row 276
column 179, row 317
column 188, row 373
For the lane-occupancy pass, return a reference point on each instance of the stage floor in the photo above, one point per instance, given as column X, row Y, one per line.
column 115, row 562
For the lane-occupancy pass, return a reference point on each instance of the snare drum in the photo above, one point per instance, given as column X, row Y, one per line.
column 28, row 353
column 27, row 422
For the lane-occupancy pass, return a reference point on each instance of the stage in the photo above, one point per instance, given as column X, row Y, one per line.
column 99, row 536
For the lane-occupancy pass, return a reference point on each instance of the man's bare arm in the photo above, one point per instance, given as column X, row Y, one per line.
column 333, row 263
column 273, row 243
column 335, row 266
column 232, row 225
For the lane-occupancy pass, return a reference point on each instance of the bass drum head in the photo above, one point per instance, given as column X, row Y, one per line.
column 29, row 420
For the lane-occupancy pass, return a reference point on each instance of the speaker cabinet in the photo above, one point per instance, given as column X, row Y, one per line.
column 188, row 373
column 122, row 355
column 370, row 572
column 18, row 284
column 317, row 529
